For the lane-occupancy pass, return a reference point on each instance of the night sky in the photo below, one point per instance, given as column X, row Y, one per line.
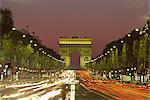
column 102, row 20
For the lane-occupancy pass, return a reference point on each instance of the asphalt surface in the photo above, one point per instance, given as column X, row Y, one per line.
column 83, row 93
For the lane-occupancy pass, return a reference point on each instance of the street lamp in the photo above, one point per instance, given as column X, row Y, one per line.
column 129, row 35
column 137, row 29
column 134, row 68
column 40, row 48
column 108, row 51
column 31, row 41
column 13, row 28
column 114, row 46
column 6, row 66
column 0, row 65
column 122, row 41
column 23, row 35
column 35, row 44
column 42, row 51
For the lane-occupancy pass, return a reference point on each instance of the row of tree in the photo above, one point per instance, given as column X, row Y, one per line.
column 131, row 51
column 20, row 48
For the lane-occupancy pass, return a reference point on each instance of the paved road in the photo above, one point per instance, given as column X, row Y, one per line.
column 83, row 93
column 113, row 90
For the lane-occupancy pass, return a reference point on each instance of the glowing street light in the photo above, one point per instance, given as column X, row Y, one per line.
column 40, row 48
column 0, row 65
column 144, row 31
column 114, row 46
column 31, row 41
column 134, row 68
column 6, row 66
column 23, row 35
column 35, row 44
column 137, row 29
column 122, row 41
column 108, row 51
column 129, row 35
column 141, row 33
column 111, row 49
column 13, row 28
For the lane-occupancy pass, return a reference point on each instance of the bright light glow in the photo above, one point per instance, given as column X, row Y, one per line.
column 6, row 66
column 50, row 94
column 141, row 33
column 105, row 53
column 115, row 71
column 0, row 65
column 122, row 41
column 108, row 51
column 114, row 46
column 137, row 29
column 42, row 51
column 13, row 28
column 40, row 48
column 23, row 35
column 134, row 68
column 129, row 73
column 131, row 68
column 111, row 49
column 144, row 31
column 129, row 35
column 127, row 69
column 119, row 70
column 28, row 88
column 35, row 44
column 31, row 41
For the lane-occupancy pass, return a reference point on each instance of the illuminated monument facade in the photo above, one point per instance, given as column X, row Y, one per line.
column 68, row 45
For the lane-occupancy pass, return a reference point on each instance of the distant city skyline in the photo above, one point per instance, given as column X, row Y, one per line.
column 102, row 20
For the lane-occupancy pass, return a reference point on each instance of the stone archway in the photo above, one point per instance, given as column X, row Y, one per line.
column 69, row 45
column 75, row 60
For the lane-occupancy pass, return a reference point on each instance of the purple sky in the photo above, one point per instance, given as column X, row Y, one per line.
column 102, row 20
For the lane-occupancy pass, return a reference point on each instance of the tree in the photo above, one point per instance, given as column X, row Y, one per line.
column 6, row 21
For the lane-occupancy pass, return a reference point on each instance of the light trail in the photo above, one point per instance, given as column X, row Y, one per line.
column 13, row 95
column 25, row 85
column 50, row 94
column 28, row 88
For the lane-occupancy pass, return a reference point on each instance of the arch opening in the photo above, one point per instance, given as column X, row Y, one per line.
column 75, row 60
